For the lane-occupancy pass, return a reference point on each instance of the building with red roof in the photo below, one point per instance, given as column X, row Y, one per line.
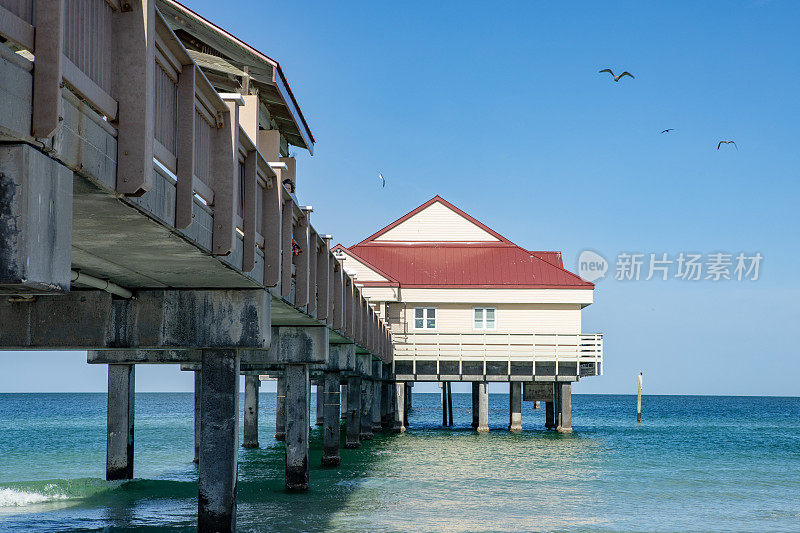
column 467, row 304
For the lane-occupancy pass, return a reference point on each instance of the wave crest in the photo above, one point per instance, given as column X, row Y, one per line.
column 21, row 498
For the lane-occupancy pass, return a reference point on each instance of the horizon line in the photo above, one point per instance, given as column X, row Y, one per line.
column 501, row 393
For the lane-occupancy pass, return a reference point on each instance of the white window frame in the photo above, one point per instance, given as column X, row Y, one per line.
column 425, row 318
column 483, row 318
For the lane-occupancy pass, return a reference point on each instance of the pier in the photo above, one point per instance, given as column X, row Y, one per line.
column 149, row 214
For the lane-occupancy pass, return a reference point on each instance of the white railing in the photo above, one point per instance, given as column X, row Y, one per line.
column 499, row 347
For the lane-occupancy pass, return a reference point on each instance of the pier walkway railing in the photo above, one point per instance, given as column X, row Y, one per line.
column 109, row 90
column 498, row 356
column 149, row 215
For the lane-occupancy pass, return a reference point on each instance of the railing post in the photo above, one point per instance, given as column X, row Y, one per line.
column 271, row 227
column 184, row 192
column 484, row 354
column 460, row 355
column 302, row 260
column 347, row 303
column 134, row 90
column 324, row 281
column 414, row 344
column 287, row 231
column 249, row 219
column 509, row 354
column 438, row 356
column 313, row 241
column 48, row 49
column 359, row 311
column 338, row 296
column 225, row 162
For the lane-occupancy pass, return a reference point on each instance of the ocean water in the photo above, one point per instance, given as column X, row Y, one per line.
column 694, row 464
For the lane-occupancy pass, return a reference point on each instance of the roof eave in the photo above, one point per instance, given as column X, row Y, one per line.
column 278, row 77
column 294, row 108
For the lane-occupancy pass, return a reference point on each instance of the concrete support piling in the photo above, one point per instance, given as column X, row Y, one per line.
column 407, row 400
column 387, row 413
column 443, row 402
column 483, row 407
column 297, row 424
column 280, row 409
column 376, row 406
column 399, row 408
column 119, row 444
column 563, row 406
column 556, row 391
column 219, row 438
column 353, row 422
column 331, row 419
column 320, row 403
column 366, row 409
column 515, row 406
column 449, row 404
column 549, row 415
column 251, row 386
column 475, row 408
column 197, row 397
column 343, row 399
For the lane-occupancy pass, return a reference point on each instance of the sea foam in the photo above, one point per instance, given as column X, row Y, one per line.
column 20, row 498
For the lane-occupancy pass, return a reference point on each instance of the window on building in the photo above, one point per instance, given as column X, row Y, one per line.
column 424, row 318
column 484, row 317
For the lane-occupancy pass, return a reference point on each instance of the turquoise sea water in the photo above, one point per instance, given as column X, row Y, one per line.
column 694, row 464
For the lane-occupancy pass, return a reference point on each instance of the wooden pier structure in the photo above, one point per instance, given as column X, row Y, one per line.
column 149, row 214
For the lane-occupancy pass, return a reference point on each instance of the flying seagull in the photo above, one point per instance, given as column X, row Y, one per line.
column 667, row 130
column 726, row 142
column 617, row 78
column 383, row 181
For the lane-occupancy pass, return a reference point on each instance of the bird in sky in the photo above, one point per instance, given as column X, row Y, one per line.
column 617, row 78
column 383, row 181
column 667, row 130
column 726, row 142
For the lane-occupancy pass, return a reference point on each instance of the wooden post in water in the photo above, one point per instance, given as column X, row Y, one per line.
column 639, row 401
column 450, row 403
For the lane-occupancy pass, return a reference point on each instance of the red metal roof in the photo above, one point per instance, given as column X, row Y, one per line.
column 369, row 265
column 449, row 265
column 492, row 264
column 554, row 258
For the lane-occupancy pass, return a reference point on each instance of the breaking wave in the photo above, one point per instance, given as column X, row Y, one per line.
column 20, row 498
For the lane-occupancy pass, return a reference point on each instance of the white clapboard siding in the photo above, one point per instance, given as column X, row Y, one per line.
column 509, row 318
column 437, row 223
column 571, row 296
column 396, row 318
column 361, row 271
column 380, row 294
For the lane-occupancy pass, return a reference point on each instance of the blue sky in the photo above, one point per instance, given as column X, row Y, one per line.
column 501, row 110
